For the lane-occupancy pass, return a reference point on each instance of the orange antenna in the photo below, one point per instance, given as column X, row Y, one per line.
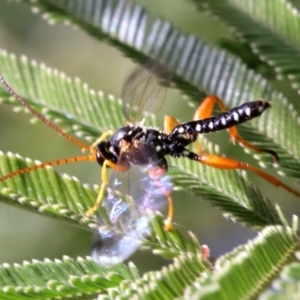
column 61, row 161
column 42, row 118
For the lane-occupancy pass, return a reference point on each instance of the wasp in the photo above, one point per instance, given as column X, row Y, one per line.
column 144, row 150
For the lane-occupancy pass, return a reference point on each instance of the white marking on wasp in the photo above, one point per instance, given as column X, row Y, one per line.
column 235, row 116
column 223, row 121
column 129, row 132
column 248, row 111
column 111, row 149
column 211, row 125
column 180, row 129
column 158, row 148
column 186, row 152
column 198, row 127
column 260, row 108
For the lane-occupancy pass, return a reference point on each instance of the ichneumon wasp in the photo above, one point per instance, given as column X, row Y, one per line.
column 137, row 155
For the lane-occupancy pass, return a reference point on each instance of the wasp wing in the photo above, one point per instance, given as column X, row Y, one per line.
column 131, row 196
column 144, row 90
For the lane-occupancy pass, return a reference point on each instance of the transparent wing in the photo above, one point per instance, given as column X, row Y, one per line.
column 131, row 196
column 145, row 90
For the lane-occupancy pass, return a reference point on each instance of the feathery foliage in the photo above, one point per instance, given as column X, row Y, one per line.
column 198, row 69
column 270, row 28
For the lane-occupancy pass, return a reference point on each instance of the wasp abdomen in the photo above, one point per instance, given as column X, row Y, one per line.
column 233, row 117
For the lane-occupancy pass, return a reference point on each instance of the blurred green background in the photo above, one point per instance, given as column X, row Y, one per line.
column 25, row 235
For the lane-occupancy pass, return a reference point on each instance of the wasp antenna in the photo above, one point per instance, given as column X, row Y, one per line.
column 41, row 117
column 61, row 161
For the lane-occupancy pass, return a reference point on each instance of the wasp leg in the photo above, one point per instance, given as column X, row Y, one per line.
column 104, row 183
column 205, row 111
column 226, row 163
column 155, row 173
column 103, row 136
column 168, row 221
column 169, row 124
column 98, row 202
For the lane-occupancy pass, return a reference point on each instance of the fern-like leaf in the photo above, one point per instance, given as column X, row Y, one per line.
column 197, row 68
column 274, row 39
column 251, row 266
column 46, row 191
column 169, row 283
column 60, row 279
column 239, row 200
column 287, row 285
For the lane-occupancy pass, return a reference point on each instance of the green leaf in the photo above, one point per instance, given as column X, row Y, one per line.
column 250, row 267
column 168, row 283
column 60, row 279
column 273, row 39
column 170, row 244
column 229, row 191
column 70, row 102
column 198, row 68
column 46, row 191
column 287, row 285
column 235, row 196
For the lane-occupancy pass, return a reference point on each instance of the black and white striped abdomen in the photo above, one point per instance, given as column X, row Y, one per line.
column 233, row 117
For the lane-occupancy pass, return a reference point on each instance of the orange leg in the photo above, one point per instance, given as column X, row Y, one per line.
column 205, row 111
column 169, row 124
column 155, row 173
column 231, row 164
